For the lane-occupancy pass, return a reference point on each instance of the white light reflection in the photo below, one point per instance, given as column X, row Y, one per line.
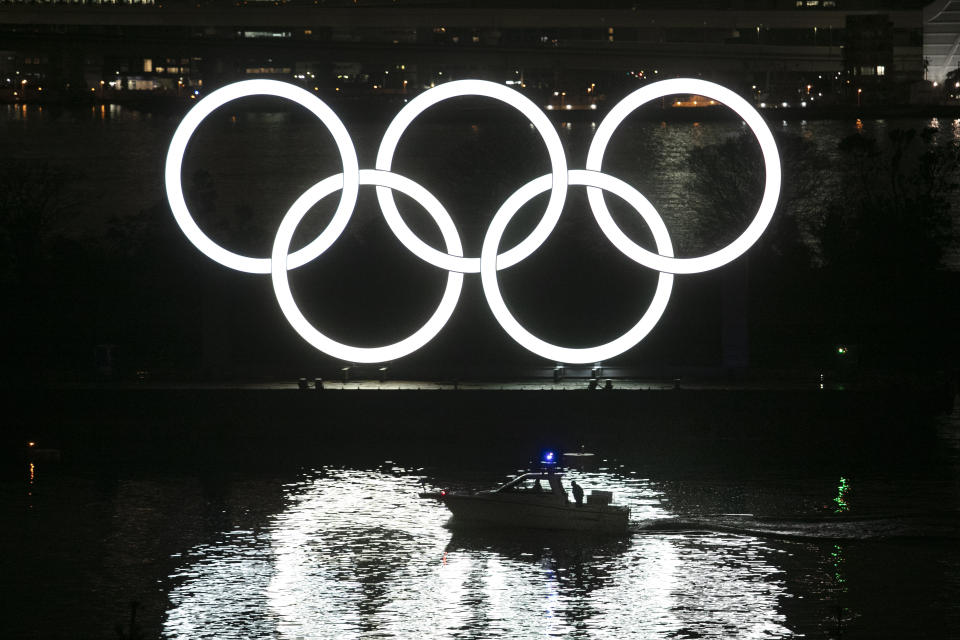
column 355, row 554
column 358, row 552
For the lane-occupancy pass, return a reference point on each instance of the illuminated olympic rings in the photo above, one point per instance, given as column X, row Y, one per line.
column 490, row 260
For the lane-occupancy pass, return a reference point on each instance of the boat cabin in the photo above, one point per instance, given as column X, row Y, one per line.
column 533, row 483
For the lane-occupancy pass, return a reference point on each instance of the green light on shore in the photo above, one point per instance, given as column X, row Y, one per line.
column 841, row 350
column 841, row 499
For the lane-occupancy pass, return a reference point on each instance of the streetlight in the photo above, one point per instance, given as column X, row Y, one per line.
column 859, row 91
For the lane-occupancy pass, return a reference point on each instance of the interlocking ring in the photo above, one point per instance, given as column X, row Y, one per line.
column 490, row 260
column 196, row 115
column 488, row 269
column 771, row 189
column 558, row 166
column 281, row 250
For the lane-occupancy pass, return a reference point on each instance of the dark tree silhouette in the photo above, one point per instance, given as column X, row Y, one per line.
column 883, row 242
column 33, row 203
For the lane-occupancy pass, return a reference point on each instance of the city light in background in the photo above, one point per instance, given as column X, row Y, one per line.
column 301, row 296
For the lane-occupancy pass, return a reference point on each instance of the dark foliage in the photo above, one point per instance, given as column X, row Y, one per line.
column 858, row 262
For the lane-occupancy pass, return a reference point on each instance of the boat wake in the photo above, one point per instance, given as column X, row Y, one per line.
column 944, row 526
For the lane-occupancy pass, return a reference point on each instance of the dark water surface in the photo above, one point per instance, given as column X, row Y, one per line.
column 732, row 538
column 260, row 162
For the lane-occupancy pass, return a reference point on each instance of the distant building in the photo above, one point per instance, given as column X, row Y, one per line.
column 775, row 51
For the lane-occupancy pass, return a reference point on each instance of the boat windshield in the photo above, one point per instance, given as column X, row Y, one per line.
column 527, row 484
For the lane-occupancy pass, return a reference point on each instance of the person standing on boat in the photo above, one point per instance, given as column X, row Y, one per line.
column 577, row 492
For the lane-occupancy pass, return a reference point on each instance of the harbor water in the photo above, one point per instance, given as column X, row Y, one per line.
column 230, row 513
column 793, row 530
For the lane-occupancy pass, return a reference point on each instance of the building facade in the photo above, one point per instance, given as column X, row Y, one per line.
column 775, row 51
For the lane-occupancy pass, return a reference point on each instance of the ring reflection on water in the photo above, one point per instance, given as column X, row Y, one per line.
column 356, row 554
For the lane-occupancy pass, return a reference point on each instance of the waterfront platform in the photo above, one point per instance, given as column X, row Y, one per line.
column 279, row 423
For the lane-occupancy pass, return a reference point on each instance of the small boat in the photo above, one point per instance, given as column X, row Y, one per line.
column 537, row 500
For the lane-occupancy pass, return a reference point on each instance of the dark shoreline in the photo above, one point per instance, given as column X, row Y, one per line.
column 175, row 427
column 379, row 108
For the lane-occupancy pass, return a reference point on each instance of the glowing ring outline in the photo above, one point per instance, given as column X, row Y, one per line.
column 218, row 98
column 491, row 288
column 350, row 180
column 771, row 191
column 536, row 116
column 281, row 283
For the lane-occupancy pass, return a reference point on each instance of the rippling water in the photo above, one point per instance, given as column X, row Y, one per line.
column 713, row 553
column 358, row 554
column 730, row 548
column 721, row 545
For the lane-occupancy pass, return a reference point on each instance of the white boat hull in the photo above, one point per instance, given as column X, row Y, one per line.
column 494, row 509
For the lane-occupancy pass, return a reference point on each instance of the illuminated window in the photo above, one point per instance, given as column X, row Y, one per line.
column 148, row 65
column 267, row 34
column 881, row 70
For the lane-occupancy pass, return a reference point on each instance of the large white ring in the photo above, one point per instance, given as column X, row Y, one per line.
column 771, row 190
column 491, row 289
column 453, row 261
column 281, row 284
column 205, row 107
column 532, row 112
